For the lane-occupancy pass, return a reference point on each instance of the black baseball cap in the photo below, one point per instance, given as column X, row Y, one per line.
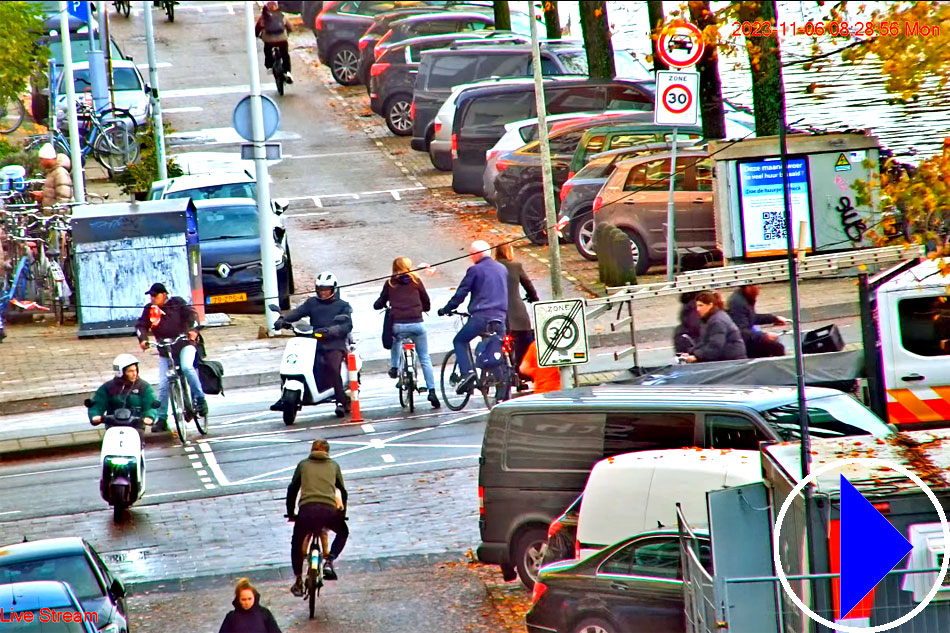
column 157, row 289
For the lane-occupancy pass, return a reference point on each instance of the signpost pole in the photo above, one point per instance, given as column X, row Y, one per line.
column 75, row 157
column 671, row 219
column 268, row 261
column 158, row 126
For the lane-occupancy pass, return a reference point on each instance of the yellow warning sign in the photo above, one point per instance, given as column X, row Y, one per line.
column 842, row 163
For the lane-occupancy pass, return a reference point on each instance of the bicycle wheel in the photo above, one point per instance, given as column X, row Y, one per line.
column 451, row 376
column 178, row 410
column 495, row 384
column 115, row 147
column 120, row 116
column 201, row 421
column 279, row 75
column 12, row 114
column 170, row 10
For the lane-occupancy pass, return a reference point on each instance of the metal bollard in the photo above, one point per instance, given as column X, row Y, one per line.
column 354, row 388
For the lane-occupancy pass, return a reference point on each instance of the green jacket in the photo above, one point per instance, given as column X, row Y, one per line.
column 316, row 479
column 118, row 393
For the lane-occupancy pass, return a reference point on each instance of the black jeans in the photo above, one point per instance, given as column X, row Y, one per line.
column 761, row 347
column 312, row 519
column 326, row 369
column 284, row 54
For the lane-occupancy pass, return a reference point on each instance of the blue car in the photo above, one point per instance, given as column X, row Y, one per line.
column 43, row 606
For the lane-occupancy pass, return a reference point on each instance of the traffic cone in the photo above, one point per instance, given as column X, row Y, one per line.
column 354, row 388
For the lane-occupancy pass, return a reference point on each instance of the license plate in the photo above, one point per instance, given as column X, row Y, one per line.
column 240, row 296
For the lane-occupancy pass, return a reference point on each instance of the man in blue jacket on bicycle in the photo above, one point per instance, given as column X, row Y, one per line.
column 487, row 282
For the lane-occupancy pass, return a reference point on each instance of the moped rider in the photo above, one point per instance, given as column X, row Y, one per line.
column 331, row 320
column 125, row 391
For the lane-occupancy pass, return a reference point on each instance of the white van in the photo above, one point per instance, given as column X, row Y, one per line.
column 635, row 492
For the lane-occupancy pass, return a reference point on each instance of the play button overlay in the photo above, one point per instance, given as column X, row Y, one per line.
column 870, row 546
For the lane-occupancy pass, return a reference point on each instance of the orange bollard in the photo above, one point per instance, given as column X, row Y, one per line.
column 354, row 388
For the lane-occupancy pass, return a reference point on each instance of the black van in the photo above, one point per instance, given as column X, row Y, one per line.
column 538, row 450
column 481, row 115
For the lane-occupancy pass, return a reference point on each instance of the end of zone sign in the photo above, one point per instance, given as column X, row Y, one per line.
column 677, row 98
column 560, row 333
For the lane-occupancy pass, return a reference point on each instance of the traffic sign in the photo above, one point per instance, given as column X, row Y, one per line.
column 79, row 9
column 560, row 332
column 680, row 45
column 677, row 98
column 241, row 118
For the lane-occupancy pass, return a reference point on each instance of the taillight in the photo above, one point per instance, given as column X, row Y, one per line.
column 507, row 344
column 481, row 501
column 577, row 548
column 412, row 111
column 501, row 165
column 364, row 43
column 490, row 154
column 438, row 127
column 378, row 69
column 598, row 203
column 318, row 22
column 566, row 189
column 538, row 591
column 554, row 528
column 455, row 146
column 378, row 50
column 570, row 175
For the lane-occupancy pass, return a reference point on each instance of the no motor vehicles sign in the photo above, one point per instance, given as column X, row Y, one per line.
column 677, row 98
column 560, row 332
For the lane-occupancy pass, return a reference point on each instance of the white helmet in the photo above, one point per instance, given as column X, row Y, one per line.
column 326, row 280
column 123, row 362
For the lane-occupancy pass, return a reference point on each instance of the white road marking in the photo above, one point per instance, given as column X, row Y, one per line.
column 368, row 428
column 166, row 494
column 144, row 66
column 317, row 202
column 213, row 464
column 194, row 456
column 377, row 443
column 306, row 215
column 396, row 195
column 389, row 459
column 189, row 449
column 184, row 93
column 367, row 469
column 181, row 110
column 203, row 474
column 329, row 154
column 210, row 486
column 10, row 512
column 433, row 445
column 197, row 465
column 357, row 195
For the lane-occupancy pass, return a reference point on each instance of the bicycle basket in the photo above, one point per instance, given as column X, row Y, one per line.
column 489, row 352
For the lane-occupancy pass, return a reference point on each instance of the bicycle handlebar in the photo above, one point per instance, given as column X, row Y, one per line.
column 166, row 342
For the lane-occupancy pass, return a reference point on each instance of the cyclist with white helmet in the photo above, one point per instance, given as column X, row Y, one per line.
column 330, row 318
column 125, row 391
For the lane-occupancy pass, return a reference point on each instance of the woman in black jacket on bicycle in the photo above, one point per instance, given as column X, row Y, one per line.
column 519, row 323
column 408, row 299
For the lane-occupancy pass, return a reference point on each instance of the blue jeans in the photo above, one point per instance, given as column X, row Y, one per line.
column 187, row 359
column 416, row 332
column 476, row 325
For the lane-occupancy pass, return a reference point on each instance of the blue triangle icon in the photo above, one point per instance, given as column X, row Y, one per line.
column 870, row 547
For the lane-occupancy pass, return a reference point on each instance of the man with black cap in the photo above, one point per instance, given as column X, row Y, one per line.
column 170, row 318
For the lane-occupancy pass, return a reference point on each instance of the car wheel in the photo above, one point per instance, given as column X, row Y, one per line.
column 527, row 554
column 533, row 219
column 639, row 252
column 582, row 227
column 344, row 65
column 440, row 162
column 594, row 625
column 398, row 115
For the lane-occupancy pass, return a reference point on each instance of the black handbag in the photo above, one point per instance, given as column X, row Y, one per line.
column 388, row 329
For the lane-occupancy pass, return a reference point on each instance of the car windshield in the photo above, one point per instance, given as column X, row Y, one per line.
column 210, row 192
column 122, row 79
column 834, row 416
column 575, row 63
column 74, row 569
column 37, row 625
column 215, row 223
column 80, row 49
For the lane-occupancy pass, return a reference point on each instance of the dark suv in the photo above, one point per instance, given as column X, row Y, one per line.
column 434, row 24
column 394, row 73
column 377, row 29
column 481, row 114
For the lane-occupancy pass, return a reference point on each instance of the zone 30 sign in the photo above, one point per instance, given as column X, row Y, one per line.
column 677, row 98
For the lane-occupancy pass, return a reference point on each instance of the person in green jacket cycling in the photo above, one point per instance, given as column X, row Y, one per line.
column 125, row 391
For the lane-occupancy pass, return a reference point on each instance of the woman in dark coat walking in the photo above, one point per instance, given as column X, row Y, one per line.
column 720, row 338
column 248, row 615
column 519, row 323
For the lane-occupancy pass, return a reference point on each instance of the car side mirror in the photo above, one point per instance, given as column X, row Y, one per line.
column 117, row 589
column 281, row 205
column 88, row 402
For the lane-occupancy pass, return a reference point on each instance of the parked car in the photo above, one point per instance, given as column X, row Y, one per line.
column 393, row 75
column 633, row 585
column 562, row 535
column 69, row 560
column 635, row 200
column 481, row 114
column 527, row 477
column 218, row 184
column 128, row 89
column 441, row 71
column 26, row 604
column 434, row 24
column 230, row 245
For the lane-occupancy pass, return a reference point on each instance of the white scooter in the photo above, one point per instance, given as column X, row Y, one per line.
column 298, row 383
column 121, row 461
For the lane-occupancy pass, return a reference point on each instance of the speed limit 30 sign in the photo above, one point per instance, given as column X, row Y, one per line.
column 677, row 98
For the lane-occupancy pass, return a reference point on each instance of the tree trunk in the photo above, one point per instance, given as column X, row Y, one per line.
column 502, row 15
column 710, row 87
column 655, row 12
column 596, row 29
column 767, row 90
column 552, row 22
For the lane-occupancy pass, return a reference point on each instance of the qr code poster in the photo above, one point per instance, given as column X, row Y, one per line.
column 763, row 207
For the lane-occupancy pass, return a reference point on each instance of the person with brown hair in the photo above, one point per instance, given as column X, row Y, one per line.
column 408, row 299
column 248, row 615
column 719, row 339
column 519, row 324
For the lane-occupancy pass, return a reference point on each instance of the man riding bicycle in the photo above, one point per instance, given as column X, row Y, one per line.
column 170, row 318
column 273, row 28
column 125, row 391
column 316, row 479
column 487, row 282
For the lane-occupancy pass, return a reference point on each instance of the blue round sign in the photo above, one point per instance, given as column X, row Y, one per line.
column 241, row 118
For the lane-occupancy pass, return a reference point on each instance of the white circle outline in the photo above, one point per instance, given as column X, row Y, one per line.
column 780, row 572
column 697, row 37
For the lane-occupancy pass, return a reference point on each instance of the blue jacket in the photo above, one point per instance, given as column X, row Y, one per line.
column 487, row 281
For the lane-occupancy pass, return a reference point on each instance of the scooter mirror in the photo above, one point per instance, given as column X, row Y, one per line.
column 122, row 414
column 88, row 402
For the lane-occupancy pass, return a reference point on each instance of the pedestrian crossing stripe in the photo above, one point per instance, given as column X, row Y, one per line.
column 842, row 163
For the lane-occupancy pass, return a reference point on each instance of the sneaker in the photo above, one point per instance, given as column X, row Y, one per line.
column 2, row 335
column 160, row 425
column 340, row 410
column 202, row 407
column 297, row 588
column 278, row 406
column 393, row 372
column 288, row 79
column 434, row 399
column 466, row 383
column 328, row 572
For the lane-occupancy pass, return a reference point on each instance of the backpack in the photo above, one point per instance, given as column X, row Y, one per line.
column 211, row 375
column 489, row 352
column 274, row 23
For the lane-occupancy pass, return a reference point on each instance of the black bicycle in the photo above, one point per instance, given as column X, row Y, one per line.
column 169, row 8
column 183, row 404
column 278, row 69
column 408, row 373
column 123, row 7
column 493, row 382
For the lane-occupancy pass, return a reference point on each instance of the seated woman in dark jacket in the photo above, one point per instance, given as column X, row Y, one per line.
column 690, row 327
column 758, row 344
column 720, row 338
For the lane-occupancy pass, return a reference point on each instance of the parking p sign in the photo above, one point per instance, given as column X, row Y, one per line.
column 560, row 333
column 677, row 98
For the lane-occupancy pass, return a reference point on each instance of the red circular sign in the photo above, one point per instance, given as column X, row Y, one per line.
column 678, row 106
column 680, row 45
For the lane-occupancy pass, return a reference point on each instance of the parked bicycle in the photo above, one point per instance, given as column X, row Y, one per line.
column 123, row 7
column 12, row 114
column 494, row 382
column 278, row 68
column 169, row 7
column 408, row 373
column 183, row 404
